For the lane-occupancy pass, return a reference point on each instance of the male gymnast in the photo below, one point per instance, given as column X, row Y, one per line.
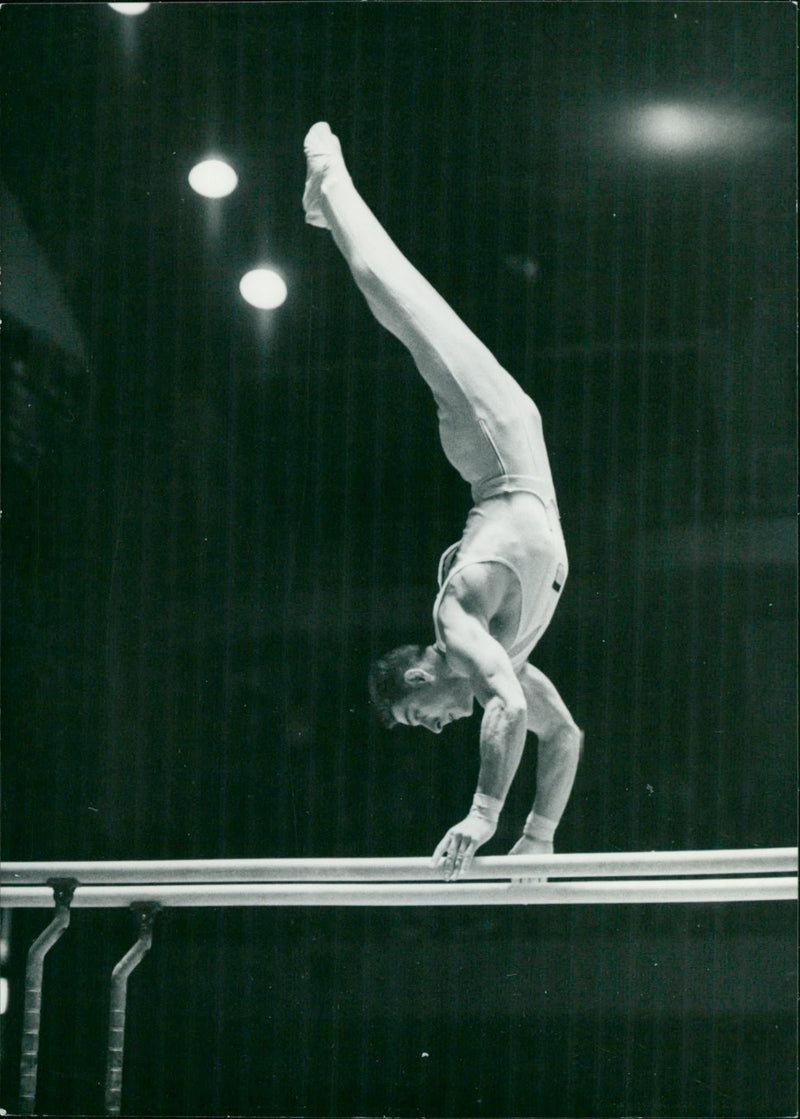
column 500, row 583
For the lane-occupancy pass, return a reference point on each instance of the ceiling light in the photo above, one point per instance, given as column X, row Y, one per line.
column 129, row 9
column 263, row 288
column 677, row 128
column 683, row 127
column 213, row 178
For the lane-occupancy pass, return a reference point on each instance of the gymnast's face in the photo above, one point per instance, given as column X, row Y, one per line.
column 433, row 702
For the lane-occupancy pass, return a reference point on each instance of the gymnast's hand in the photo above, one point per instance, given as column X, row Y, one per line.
column 526, row 845
column 460, row 844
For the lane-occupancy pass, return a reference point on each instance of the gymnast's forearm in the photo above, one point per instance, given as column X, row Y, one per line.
column 502, row 743
column 557, row 764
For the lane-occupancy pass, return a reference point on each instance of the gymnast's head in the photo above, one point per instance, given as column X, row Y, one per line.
column 414, row 686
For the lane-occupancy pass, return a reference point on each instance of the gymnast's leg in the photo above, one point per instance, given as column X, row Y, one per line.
column 479, row 404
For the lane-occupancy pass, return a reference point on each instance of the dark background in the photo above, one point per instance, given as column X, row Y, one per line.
column 214, row 517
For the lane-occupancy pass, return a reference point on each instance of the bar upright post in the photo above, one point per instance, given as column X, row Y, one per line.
column 63, row 890
column 144, row 913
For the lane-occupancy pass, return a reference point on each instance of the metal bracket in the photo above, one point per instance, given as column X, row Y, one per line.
column 63, row 892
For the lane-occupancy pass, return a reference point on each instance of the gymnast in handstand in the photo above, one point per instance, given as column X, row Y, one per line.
column 500, row 583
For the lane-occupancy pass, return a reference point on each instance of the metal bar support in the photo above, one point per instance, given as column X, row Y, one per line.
column 145, row 913
column 63, row 889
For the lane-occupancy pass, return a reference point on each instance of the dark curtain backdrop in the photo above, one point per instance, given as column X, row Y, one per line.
column 215, row 517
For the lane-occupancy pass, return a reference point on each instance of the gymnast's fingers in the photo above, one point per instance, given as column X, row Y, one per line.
column 441, row 849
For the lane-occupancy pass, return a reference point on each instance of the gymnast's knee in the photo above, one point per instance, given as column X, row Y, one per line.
column 512, row 421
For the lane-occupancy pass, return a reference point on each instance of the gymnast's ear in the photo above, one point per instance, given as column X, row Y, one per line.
column 417, row 676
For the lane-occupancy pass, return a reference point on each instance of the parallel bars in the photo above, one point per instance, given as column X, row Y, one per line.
column 613, row 878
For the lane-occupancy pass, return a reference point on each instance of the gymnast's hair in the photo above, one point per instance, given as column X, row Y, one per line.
column 387, row 685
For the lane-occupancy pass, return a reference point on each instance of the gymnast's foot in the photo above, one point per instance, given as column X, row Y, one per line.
column 323, row 154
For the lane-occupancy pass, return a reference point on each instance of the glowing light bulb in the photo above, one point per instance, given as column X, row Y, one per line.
column 129, row 9
column 673, row 127
column 213, row 178
column 263, row 288
column 686, row 129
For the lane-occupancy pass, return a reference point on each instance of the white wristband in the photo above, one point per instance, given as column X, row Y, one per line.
column 540, row 827
column 489, row 808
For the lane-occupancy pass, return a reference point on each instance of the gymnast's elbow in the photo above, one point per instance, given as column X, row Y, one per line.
column 566, row 739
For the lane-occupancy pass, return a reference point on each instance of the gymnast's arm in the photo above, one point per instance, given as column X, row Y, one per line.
column 560, row 745
column 472, row 650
